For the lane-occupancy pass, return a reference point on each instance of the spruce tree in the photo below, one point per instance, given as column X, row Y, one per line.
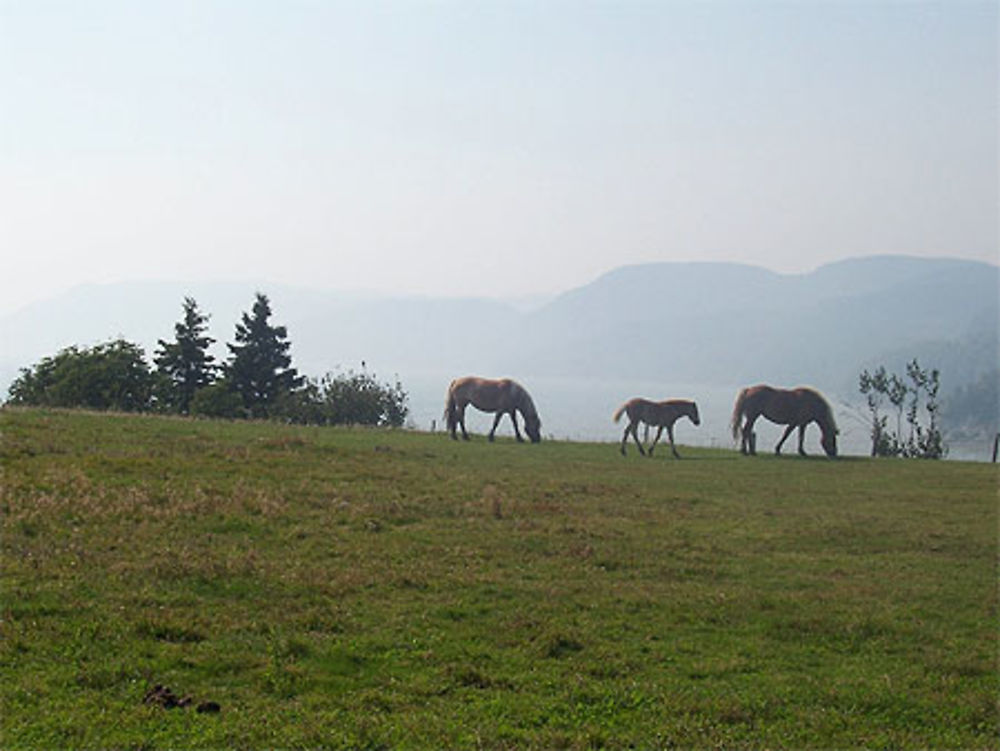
column 259, row 367
column 184, row 365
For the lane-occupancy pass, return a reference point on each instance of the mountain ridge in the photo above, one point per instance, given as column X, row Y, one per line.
column 694, row 321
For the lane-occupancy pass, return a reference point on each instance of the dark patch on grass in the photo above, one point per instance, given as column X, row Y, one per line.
column 168, row 632
column 339, row 661
column 557, row 646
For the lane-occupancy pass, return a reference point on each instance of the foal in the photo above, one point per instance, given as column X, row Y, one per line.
column 661, row 414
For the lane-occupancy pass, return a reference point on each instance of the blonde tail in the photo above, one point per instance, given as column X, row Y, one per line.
column 738, row 413
column 618, row 413
column 451, row 419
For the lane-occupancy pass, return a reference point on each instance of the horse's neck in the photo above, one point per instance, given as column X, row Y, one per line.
column 681, row 409
column 824, row 418
column 523, row 402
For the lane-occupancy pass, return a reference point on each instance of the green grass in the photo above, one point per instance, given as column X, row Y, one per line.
column 367, row 589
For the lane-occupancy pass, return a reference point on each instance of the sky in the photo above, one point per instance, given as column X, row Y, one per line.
column 501, row 149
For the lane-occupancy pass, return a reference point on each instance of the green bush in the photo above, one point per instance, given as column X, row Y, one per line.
column 347, row 399
column 109, row 376
column 218, row 400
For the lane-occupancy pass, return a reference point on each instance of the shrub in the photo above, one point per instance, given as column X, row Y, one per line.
column 347, row 399
column 218, row 400
column 916, row 399
column 109, row 376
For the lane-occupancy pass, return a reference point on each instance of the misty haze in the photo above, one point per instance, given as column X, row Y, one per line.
column 694, row 331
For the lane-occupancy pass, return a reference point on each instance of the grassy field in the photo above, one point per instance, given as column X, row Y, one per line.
column 367, row 589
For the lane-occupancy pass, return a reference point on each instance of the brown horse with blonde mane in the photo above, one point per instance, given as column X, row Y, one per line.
column 795, row 408
column 503, row 396
column 660, row 414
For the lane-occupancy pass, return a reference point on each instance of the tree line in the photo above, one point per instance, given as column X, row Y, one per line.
column 257, row 380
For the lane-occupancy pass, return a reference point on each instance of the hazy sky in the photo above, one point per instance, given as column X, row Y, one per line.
column 486, row 148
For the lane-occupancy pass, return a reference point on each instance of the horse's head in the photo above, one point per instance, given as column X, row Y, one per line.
column 693, row 414
column 829, row 442
column 533, row 427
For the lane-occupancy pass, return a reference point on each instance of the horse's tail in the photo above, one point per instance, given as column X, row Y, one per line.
column 619, row 412
column 450, row 416
column 734, row 422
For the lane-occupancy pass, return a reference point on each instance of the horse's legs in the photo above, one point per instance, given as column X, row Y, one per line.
column 788, row 432
column 625, row 438
column 659, row 432
column 496, row 421
column 461, row 421
column 517, row 433
column 747, row 444
column 451, row 418
column 802, row 438
column 670, row 435
column 634, row 427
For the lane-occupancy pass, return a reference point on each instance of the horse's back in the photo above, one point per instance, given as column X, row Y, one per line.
column 635, row 408
column 796, row 405
column 488, row 394
column 470, row 384
column 462, row 383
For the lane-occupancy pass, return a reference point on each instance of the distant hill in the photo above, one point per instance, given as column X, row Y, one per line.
column 724, row 323
column 710, row 323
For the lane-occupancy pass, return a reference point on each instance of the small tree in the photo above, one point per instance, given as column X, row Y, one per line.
column 875, row 386
column 359, row 399
column 925, row 443
column 259, row 368
column 184, row 365
column 346, row 399
column 918, row 398
column 113, row 375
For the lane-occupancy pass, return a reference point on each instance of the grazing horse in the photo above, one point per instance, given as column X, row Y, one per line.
column 661, row 414
column 503, row 396
column 795, row 408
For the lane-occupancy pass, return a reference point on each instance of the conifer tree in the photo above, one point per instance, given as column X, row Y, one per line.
column 259, row 368
column 184, row 365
